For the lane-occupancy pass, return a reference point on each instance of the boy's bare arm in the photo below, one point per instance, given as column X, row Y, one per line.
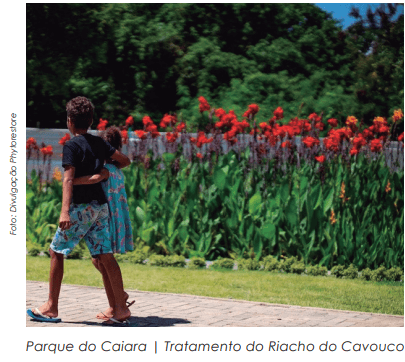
column 67, row 192
column 121, row 159
column 92, row 179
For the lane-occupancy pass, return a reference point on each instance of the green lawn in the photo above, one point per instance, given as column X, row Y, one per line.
column 260, row 286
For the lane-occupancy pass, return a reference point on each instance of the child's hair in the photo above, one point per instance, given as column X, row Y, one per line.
column 80, row 111
column 113, row 136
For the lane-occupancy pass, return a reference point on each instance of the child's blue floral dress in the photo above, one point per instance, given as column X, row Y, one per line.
column 119, row 222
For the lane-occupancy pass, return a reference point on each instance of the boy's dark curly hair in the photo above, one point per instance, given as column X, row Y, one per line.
column 113, row 136
column 80, row 111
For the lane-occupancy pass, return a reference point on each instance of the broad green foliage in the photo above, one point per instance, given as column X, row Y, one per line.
column 224, row 208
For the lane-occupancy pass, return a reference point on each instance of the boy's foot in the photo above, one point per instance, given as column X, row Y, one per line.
column 120, row 315
column 46, row 310
column 109, row 312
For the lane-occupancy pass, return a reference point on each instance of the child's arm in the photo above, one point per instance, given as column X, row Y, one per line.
column 120, row 159
column 92, row 179
column 67, row 192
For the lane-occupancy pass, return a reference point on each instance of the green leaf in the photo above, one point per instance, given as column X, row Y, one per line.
column 328, row 201
column 140, row 214
column 219, row 179
column 255, row 203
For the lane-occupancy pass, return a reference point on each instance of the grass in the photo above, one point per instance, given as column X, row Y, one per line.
column 259, row 286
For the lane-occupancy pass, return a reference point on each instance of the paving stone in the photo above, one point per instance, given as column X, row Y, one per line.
column 79, row 305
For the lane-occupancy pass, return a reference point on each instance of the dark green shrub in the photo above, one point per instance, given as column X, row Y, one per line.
column 248, row 264
column 394, row 274
column 270, row 263
column 77, row 253
column 337, row 271
column 195, row 263
column 175, row 261
column 366, row 274
column 287, row 263
column 157, row 260
column 378, row 274
column 316, row 270
column 298, row 267
column 351, row 272
column 34, row 251
column 225, row 263
column 136, row 257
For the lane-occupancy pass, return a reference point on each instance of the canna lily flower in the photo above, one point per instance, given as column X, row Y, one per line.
column 64, row 139
column 279, row 113
column 199, row 155
column 204, row 106
column 351, row 121
column 252, row 110
column 332, row 217
column 124, row 136
column 57, row 175
column 375, row 145
column 286, row 144
column 47, row 151
column 321, row 158
column 31, row 143
column 147, row 121
column 102, row 125
column 180, row 127
column 168, row 120
column 398, row 115
column 401, row 137
column 129, row 121
column 333, row 122
column 172, row 137
column 141, row 134
column 388, row 187
column 310, row 141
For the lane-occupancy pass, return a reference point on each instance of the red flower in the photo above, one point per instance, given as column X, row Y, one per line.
column 314, row 117
column 320, row 158
column 286, row 144
column 32, row 143
column 375, row 145
column 48, row 150
column 172, row 137
column 147, row 121
column 141, row 134
column 180, row 127
column 278, row 113
column 252, row 110
column 333, row 122
column 359, row 141
column 102, row 125
column 401, row 137
column 124, row 135
column 319, row 125
column 310, row 141
column 199, row 155
column 220, row 112
column 129, row 121
column 64, row 139
column 204, row 106
column 354, row 151
column 201, row 139
column 168, row 120
column 351, row 121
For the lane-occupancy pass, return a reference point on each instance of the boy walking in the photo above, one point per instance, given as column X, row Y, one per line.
column 84, row 213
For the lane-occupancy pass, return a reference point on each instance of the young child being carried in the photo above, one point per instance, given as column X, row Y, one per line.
column 84, row 213
column 119, row 222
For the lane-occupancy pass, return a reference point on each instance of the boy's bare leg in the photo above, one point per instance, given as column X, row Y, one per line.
column 121, row 311
column 109, row 312
column 50, row 308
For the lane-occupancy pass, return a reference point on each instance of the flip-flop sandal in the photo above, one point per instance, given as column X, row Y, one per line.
column 130, row 303
column 42, row 317
column 117, row 323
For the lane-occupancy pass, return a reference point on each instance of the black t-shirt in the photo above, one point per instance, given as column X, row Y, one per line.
column 87, row 153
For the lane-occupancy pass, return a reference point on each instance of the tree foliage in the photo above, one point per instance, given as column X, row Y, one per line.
column 158, row 58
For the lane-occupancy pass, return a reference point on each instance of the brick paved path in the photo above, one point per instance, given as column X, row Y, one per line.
column 78, row 306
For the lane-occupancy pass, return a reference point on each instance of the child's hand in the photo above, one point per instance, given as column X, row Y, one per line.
column 64, row 222
column 105, row 174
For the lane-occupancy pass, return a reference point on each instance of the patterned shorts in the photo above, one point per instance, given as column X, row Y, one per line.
column 89, row 222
